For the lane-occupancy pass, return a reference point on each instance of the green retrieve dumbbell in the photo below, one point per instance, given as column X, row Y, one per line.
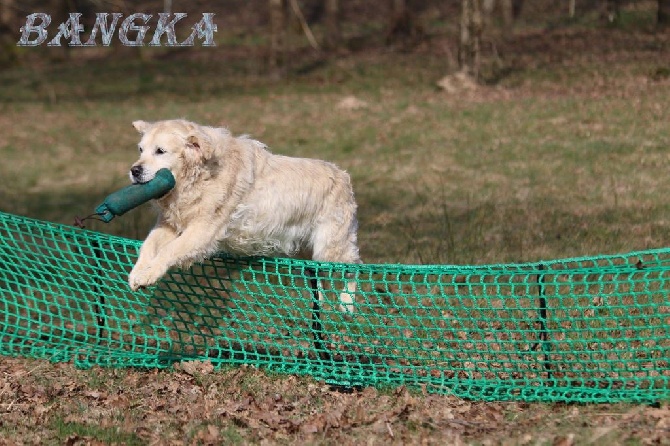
column 134, row 195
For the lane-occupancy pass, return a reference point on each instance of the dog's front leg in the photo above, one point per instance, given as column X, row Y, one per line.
column 159, row 236
column 195, row 243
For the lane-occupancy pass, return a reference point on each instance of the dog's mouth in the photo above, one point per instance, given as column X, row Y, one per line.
column 138, row 175
column 139, row 180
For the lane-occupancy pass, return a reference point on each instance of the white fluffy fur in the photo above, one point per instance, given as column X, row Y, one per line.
column 232, row 194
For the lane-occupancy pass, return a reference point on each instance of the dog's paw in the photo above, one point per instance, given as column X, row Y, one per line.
column 143, row 277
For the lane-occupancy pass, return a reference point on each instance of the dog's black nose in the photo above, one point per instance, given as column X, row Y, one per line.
column 136, row 171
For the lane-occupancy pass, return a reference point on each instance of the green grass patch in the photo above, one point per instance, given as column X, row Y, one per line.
column 78, row 431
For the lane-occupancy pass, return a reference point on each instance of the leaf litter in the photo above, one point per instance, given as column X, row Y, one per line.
column 44, row 403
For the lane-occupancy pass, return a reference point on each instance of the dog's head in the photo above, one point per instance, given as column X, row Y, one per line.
column 176, row 145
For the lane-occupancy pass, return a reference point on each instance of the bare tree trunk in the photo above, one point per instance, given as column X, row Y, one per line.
column 333, row 37
column 507, row 14
column 610, row 10
column 465, row 37
column 300, row 17
column 399, row 6
column 59, row 13
column 123, row 51
column 477, row 28
column 488, row 6
column 7, row 43
column 277, row 35
column 511, row 9
column 469, row 53
column 401, row 22
column 6, row 12
column 399, row 14
column 517, row 6
column 663, row 16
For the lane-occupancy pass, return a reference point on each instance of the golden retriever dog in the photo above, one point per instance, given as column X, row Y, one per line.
column 233, row 195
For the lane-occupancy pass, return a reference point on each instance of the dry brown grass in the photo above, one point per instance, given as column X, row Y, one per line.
column 565, row 156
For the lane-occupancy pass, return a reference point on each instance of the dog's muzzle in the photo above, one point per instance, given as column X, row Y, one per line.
column 137, row 174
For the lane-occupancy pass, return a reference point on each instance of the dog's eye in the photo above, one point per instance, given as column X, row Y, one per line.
column 140, row 149
column 160, row 151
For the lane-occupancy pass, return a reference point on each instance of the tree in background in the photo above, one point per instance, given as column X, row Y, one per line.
column 403, row 26
column 610, row 10
column 511, row 10
column 6, row 12
column 7, row 37
column 663, row 15
column 332, row 38
column 470, row 42
column 469, row 48
column 277, row 10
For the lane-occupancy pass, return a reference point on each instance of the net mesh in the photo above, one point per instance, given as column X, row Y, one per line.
column 582, row 330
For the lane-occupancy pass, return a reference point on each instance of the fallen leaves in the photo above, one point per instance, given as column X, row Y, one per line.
column 209, row 435
column 195, row 367
column 351, row 103
column 196, row 405
column 458, row 82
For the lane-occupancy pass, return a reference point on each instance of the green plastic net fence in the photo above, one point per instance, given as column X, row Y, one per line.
column 582, row 330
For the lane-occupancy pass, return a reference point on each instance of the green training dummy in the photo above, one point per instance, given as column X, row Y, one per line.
column 134, row 195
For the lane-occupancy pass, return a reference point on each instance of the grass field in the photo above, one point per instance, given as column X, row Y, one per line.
column 565, row 155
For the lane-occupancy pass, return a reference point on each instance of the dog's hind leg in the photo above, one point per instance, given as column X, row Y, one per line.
column 337, row 243
column 347, row 296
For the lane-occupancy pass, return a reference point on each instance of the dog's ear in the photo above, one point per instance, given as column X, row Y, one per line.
column 141, row 126
column 199, row 146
